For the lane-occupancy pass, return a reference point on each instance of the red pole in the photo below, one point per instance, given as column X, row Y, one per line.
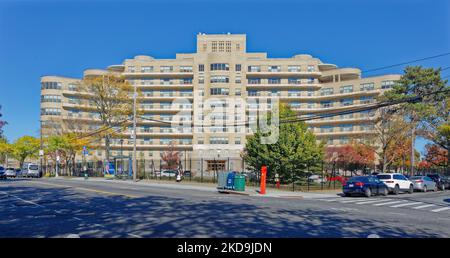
column 263, row 180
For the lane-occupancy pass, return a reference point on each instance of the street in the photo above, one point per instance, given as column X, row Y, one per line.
column 100, row 208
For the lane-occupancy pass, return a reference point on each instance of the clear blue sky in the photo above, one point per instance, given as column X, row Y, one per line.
column 65, row 37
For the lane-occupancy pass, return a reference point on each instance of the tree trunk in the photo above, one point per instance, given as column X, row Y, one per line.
column 107, row 147
column 384, row 163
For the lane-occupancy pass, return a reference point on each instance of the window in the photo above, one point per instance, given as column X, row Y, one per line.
column 166, row 69
column 237, row 92
column 346, row 102
column 201, row 79
column 387, row 84
column 228, row 46
column 294, row 93
column 186, row 69
column 238, row 79
column 326, row 129
column 131, row 69
column 275, row 93
column 254, row 68
column 311, row 105
column 367, row 86
column 219, row 91
column 238, row 46
column 310, row 93
column 293, row 68
column 73, row 87
column 274, row 80
column 219, row 79
column 200, row 140
column 274, row 68
column 346, row 128
column 186, row 93
column 51, row 85
column 344, row 140
column 186, row 81
column 366, row 99
column 237, row 141
column 201, row 67
column 295, row 104
column 50, row 111
column 347, row 89
column 311, row 68
column 214, row 46
column 146, row 69
column 166, row 81
column 326, row 104
column 238, row 68
column 254, row 81
column 218, row 140
column 252, row 93
column 147, row 81
column 220, row 67
column 51, row 98
column 294, row 80
column 326, row 91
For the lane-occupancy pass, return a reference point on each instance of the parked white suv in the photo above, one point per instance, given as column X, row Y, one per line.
column 396, row 182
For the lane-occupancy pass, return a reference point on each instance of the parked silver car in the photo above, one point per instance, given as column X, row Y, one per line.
column 10, row 172
column 423, row 183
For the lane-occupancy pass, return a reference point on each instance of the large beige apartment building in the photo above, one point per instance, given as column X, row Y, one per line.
column 223, row 76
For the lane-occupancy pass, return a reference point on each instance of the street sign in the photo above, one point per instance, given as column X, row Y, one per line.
column 41, row 152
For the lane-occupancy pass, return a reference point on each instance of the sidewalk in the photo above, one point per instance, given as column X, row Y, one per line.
column 210, row 187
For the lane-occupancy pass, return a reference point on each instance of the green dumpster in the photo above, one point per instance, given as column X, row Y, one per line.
column 222, row 180
column 239, row 182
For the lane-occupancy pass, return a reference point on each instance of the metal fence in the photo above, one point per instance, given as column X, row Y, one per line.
column 324, row 177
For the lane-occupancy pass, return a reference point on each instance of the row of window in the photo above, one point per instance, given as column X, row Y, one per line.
column 292, row 80
column 163, row 81
column 163, row 69
column 277, row 68
column 363, row 87
column 51, row 98
column 346, row 128
column 51, row 85
column 50, row 112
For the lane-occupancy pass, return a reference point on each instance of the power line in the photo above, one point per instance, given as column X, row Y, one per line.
column 404, row 63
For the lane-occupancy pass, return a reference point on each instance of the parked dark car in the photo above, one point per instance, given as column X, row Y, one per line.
column 440, row 181
column 365, row 185
column 187, row 173
column 2, row 173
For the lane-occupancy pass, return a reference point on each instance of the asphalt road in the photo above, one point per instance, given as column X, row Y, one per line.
column 76, row 208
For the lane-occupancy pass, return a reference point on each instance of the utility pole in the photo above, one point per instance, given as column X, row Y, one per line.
column 134, row 135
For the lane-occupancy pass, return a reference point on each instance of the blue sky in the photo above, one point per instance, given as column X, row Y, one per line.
column 65, row 37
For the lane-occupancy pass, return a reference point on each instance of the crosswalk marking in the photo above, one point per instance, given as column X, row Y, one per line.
column 386, row 203
column 423, row 206
column 441, row 209
column 405, row 204
column 372, row 201
column 348, row 201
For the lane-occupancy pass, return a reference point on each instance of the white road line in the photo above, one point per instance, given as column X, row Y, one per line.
column 354, row 200
column 386, row 203
column 18, row 198
column 373, row 201
column 77, row 218
column 441, row 209
column 423, row 206
column 405, row 204
column 133, row 235
column 330, row 200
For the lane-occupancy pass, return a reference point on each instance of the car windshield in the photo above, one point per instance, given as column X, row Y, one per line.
column 357, row 179
column 384, row 176
column 33, row 167
column 416, row 177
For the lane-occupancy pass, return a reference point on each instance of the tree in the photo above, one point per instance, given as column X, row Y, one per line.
column 351, row 157
column 436, row 156
column 390, row 128
column 24, row 147
column 5, row 149
column 171, row 157
column 432, row 111
column 110, row 99
column 295, row 152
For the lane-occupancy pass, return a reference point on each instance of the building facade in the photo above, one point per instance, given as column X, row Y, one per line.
column 214, row 93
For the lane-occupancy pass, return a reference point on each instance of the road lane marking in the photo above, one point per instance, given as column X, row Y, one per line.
column 133, row 235
column 26, row 201
column 405, row 204
column 348, row 201
column 89, row 189
column 386, row 203
column 423, row 206
column 441, row 209
column 373, row 201
column 330, row 200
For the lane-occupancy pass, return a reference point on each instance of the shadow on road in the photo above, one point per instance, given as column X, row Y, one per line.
column 60, row 212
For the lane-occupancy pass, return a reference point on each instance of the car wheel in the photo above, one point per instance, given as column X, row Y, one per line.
column 367, row 192
column 385, row 192
column 396, row 189
column 425, row 189
column 411, row 189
